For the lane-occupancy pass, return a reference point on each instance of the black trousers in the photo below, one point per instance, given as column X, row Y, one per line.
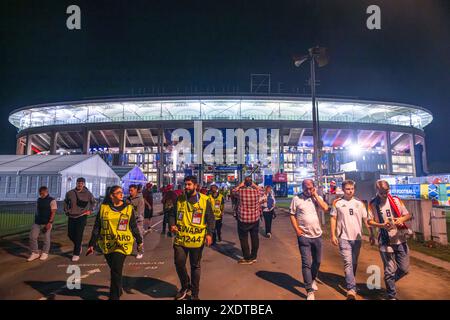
column 115, row 262
column 165, row 223
column 217, row 230
column 75, row 232
column 268, row 217
column 195, row 255
column 243, row 230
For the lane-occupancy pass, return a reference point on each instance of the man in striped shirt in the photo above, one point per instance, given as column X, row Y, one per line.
column 250, row 197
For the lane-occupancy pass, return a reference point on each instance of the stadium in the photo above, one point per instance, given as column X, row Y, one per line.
column 357, row 135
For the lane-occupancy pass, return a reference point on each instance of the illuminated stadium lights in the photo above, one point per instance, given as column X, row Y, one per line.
column 331, row 110
column 355, row 149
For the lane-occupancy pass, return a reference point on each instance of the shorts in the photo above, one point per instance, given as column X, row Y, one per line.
column 148, row 213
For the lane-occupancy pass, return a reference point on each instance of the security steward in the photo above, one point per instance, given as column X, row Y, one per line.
column 218, row 204
column 192, row 221
column 114, row 231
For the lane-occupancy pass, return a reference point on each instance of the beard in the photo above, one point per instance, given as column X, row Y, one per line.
column 189, row 192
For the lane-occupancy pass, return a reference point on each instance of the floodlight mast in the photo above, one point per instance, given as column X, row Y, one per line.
column 319, row 54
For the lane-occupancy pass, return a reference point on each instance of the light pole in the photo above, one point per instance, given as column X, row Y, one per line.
column 319, row 55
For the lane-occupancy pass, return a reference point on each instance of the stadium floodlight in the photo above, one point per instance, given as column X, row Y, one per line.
column 355, row 149
column 315, row 55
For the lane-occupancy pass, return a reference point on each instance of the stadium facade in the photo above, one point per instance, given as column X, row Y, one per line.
column 357, row 135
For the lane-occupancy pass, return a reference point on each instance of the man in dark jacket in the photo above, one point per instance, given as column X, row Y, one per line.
column 45, row 214
column 78, row 205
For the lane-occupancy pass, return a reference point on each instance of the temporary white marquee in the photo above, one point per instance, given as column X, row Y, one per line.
column 21, row 176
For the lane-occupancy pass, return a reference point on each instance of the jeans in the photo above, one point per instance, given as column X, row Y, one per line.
column 34, row 236
column 217, row 231
column 75, row 230
column 115, row 262
column 396, row 266
column 195, row 256
column 268, row 217
column 311, row 252
column 243, row 230
column 140, row 226
column 349, row 251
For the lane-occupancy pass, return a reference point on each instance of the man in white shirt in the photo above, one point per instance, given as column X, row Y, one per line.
column 347, row 214
column 388, row 214
column 305, row 221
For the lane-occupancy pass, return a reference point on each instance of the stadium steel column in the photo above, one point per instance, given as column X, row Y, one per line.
column 388, row 152
column 316, row 129
column 28, row 144
column 53, row 142
column 161, row 159
column 122, row 146
column 86, row 140
column 412, row 144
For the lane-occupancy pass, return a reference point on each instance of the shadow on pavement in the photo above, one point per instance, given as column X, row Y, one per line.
column 282, row 280
column 337, row 282
column 228, row 249
column 50, row 289
column 152, row 287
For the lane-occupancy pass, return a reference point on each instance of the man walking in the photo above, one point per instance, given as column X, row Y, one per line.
column 137, row 201
column 78, row 205
column 218, row 205
column 305, row 221
column 148, row 212
column 168, row 200
column 268, row 208
column 192, row 222
column 347, row 214
column 250, row 197
column 43, row 221
column 388, row 214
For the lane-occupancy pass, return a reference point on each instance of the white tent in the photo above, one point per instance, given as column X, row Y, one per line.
column 21, row 176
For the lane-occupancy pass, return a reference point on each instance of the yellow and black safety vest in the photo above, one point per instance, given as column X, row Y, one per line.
column 191, row 221
column 115, row 233
column 216, row 204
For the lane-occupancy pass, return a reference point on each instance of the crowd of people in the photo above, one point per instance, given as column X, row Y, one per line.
column 193, row 216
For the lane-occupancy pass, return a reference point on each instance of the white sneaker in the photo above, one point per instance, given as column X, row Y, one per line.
column 33, row 257
column 314, row 285
column 310, row 296
column 139, row 256
column 44, row 256
column 75, row 258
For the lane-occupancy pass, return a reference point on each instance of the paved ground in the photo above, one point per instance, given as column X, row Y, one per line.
column 276, row 275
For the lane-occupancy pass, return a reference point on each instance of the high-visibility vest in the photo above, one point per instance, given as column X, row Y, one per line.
column 191, row 222
column 216, row 204
column 115, row 234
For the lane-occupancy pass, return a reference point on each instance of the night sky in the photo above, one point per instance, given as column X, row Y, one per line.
column 127, row 47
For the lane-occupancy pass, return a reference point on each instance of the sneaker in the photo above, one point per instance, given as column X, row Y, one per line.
column 269, row 235
column 243, row 261
column 33, row 257
column 44, row 256
column 314, row 285
column 139, row 256
column 182, row 294
column 253, row 260
column 310, row 296
column 219, row 239
column 351, row 295
column 75, row 258
column 195, row 297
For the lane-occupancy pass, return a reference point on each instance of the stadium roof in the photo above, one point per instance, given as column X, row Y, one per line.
column 219, row 108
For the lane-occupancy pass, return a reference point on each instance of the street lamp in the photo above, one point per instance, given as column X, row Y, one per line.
column 319, row 55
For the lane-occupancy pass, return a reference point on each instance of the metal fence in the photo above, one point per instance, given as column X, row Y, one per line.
column 17, row 217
